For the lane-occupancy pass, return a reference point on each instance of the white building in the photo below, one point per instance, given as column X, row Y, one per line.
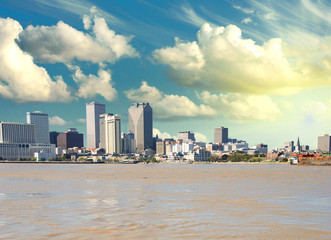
column 198, row 155
column 17, row 133
column 111, row 142
column 93, row 112
column 41, row 126
column 14, row 151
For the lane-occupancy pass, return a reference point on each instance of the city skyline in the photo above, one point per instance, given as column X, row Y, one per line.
column 261, row 69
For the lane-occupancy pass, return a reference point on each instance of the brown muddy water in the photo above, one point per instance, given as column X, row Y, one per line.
column 164, row 201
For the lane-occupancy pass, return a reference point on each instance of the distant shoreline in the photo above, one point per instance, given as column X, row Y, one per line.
column 69, row 162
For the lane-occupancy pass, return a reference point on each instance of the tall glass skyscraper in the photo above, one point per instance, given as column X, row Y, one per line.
column 41, row 125
column 93, row 112
column 141, row 124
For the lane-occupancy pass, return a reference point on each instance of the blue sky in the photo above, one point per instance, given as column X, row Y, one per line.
column 260, row 68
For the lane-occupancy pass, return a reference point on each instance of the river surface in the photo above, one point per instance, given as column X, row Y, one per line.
column 164, row 201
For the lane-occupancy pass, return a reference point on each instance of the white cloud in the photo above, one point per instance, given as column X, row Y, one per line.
column 222, row 60
column 63, row 43
column 243, row 107
column 244, row 10
column 246, row 20
column 161, row 135
column 168, row 106
column 318, row 110
column 57, row 121
column 144, row 94
column 92, row 85
column 20, row 78
column 199, row 137
column 81, row 120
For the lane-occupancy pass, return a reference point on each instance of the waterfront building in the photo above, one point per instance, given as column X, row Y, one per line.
column 261, row 148
column 17, row 133
column 186, row 136
column 198, row 155
column 128, row 143
column 110, row 133
column 93, row 112
column 324, row 143
column 221, row 135
column 14, row 151
column 41, row 126
column 53, row 137
column 141, row 124
column 70, row 139
column 160, row 147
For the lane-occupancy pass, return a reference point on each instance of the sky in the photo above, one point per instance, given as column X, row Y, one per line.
column 260, row 68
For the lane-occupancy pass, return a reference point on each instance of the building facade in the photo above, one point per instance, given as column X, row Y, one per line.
column 221, row 135
column 41, row 126
column 128, row 143
column 110, row 133
column 186, row 136
column 17, row 133
column 141, row 124
column 324, row 143
column 93, row 112
column 70, row 139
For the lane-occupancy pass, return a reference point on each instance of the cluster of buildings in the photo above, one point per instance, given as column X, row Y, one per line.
column 106, row 140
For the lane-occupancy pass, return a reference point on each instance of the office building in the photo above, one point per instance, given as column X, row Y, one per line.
column 128, row 143
column 324, row 143
column 17, row 133
column 93, row 111
column 160, row 147
column 53, row 137
column 41, row 126
column 17, row 140
column 186, row 136
column 141, row 124
column 110, row 133
column 70, row 139
column 221, row 135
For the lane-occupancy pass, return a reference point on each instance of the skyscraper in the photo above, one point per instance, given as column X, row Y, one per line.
column 221, row 135
column 141, row 124
column 17, row 133
column 40, row 121
column 93, row 111
column 324, row 143
column 110, row 133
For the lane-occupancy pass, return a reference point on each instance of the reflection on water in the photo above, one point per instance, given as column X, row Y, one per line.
column 164, row 202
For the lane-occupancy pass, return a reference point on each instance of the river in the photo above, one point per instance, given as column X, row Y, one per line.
column 164, row 201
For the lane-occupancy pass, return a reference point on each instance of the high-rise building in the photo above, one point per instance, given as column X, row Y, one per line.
column 141, row 124
column 93, row 112
column 70, row 139
column 53, row 137
column 110, row 133
column 40, row 121
column 221, row 135
column 186, row 136
column 17, row 133
column 128, row 143
column 324, row 143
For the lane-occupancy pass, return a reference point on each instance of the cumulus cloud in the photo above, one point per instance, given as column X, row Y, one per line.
column 199, row 137
column 223, row 60
column 92, row 85
column 160, row 134
column 243, row 107
column 168, row 106
column 20, row 78
column 63, row 43
column 57, row 121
